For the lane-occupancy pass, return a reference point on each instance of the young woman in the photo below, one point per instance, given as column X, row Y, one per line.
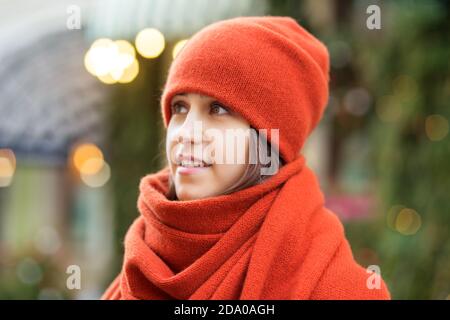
column 212, row 226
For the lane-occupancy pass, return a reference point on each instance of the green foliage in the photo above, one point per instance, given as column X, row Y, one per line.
column 407, row 67
column 135, row 144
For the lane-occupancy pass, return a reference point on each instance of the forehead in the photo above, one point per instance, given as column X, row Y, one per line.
column 193, row 94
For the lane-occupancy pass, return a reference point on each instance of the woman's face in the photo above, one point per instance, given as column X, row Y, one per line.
column 206, row 146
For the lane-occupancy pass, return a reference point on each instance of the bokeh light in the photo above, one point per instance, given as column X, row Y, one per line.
column 357, row 101
column 150, row 43
column 408, row 221
column 130, row 73
column 98, row 179
column 127, row 51
column 178, row 46
column 89, row 162
column 112, row 61
column 7, row 167
column 392, row 215
column 436, row 127
column 87, row 158
column 100, row 58
column 107, row 79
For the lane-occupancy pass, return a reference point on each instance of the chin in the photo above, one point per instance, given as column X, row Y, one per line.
column 190, row 192
column 186, row 193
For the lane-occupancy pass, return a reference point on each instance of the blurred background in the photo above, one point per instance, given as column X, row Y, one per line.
column 80, row 83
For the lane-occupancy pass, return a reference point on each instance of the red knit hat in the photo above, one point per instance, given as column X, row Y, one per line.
column 268, row 69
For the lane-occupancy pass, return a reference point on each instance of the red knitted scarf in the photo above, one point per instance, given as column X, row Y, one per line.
column 274, row 240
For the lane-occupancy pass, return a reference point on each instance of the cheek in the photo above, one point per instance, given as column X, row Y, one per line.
column 225, row 175
column 170, row 145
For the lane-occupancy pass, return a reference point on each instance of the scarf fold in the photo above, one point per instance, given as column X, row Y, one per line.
column 274, row 240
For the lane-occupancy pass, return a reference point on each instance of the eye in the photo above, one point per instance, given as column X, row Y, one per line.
column 178, row 107
column 218, row 109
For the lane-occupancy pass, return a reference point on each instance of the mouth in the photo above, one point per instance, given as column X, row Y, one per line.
column 191, row 165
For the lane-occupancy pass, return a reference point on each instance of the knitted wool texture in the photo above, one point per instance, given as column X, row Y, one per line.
column 268, row 69
column 273, row 240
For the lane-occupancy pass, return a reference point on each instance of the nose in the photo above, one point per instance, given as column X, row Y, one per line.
column 192, row 136
column 192, row 129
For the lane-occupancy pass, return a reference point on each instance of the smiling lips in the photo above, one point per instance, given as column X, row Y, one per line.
column 188, row 164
